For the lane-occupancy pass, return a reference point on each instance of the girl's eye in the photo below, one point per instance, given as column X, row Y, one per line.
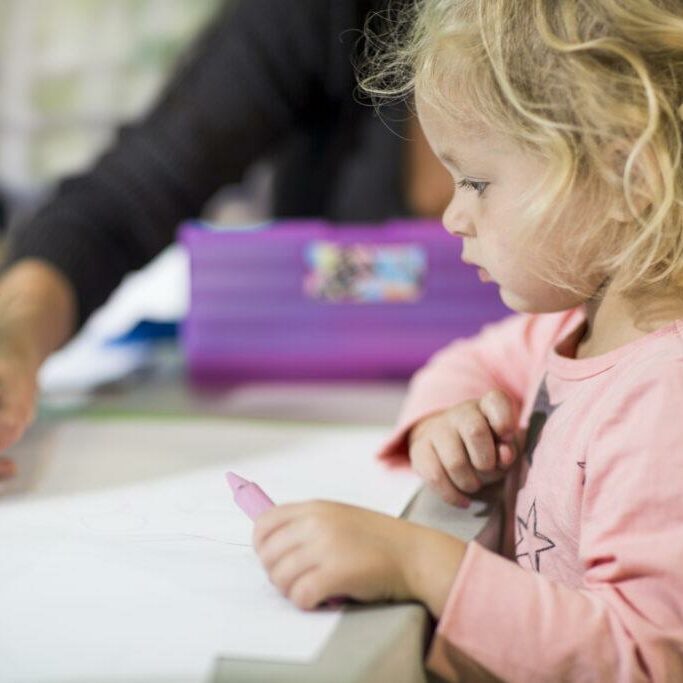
column 478, row 185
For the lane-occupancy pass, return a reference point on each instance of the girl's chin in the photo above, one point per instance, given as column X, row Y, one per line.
column 516, row 303
column 521, row 305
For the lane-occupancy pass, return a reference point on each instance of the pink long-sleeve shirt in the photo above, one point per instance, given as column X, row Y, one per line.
column 593, row 589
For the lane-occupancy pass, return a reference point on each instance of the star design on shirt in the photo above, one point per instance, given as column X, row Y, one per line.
column 532, row 540
column 540, row 414
column 582, row 465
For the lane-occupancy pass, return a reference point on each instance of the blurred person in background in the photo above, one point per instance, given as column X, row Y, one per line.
column 70, row 72
column 269, row 79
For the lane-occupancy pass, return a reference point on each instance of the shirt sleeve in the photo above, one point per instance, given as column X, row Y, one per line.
column 504, row 355
column 250, row 79
column 625, row 621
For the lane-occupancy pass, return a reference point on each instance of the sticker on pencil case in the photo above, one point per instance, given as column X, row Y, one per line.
column 365, row 273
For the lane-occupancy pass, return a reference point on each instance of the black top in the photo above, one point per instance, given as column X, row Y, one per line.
column 270, row 78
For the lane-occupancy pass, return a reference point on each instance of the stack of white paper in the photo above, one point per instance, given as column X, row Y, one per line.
column 126, row 558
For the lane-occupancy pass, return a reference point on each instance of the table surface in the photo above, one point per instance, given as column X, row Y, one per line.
column 371, row 643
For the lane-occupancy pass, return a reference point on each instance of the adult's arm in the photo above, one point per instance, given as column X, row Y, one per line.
column 251, row 78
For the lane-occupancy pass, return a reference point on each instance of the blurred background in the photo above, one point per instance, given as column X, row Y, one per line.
column 73, row 71
column 70, row 72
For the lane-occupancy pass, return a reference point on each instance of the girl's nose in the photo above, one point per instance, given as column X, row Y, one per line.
column 456, row 221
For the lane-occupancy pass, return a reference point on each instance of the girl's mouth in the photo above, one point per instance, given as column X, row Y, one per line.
column 483, row 275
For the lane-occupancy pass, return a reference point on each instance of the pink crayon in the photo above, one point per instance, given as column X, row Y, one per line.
column 252, row 500
column 249, row 496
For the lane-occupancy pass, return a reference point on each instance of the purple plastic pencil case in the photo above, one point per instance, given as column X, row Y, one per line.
column 308, row 300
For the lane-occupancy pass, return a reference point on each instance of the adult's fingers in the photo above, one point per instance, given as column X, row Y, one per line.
column 17, row 407
column 7, row 468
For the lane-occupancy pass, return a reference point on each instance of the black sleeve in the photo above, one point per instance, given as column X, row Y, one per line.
column 249, row 80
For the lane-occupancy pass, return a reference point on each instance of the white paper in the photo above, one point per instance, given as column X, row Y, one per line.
column 126, row 558
column 159, row 292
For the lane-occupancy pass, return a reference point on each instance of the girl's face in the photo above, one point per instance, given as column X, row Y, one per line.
column 491, row 176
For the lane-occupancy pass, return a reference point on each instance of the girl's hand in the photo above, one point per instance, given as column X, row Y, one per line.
column 318, row 550
column 467, row 446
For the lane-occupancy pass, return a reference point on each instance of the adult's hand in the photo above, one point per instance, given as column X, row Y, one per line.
column 37, row 315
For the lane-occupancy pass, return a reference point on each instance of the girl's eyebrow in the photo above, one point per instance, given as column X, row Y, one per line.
column 450, row 159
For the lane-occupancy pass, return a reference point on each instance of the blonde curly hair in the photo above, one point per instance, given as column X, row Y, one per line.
column 593, row 86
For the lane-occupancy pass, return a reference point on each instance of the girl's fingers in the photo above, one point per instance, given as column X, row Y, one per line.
column 310, row 589
column 296, row 521
column 477, row 437
column 280, row 542
column 455, row 459
column 290, row 567
column 272, row 520
column 427, row 464
column 506, row 454
column 500, row 412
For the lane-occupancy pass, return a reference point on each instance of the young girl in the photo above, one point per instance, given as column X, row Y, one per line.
column 560, row 124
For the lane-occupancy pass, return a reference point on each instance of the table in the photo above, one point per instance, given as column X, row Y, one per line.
column 371, row 643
